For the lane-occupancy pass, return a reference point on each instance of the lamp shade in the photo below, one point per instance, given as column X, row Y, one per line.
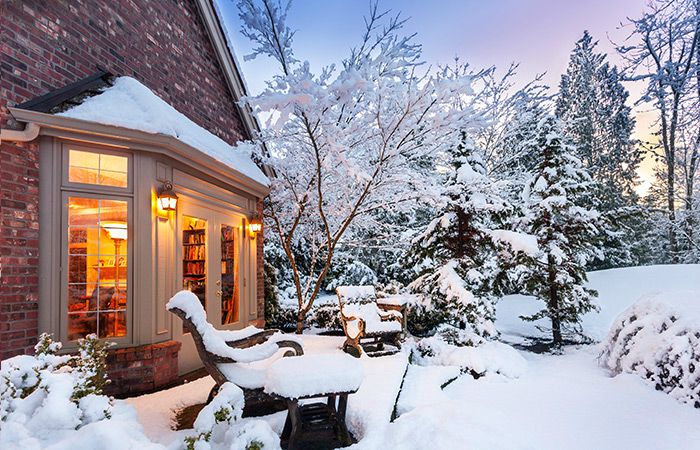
column 115, row 230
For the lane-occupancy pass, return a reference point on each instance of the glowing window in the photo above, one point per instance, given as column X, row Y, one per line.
column 98, row 233
column 98, row 168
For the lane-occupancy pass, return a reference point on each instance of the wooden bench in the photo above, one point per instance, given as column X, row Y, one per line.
column 241, row 357
column 327, row 377
column 367, row 327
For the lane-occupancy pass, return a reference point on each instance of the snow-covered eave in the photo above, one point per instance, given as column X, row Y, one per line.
column 71, row 128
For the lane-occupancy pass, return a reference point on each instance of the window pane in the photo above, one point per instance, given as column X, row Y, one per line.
column 229, row 276
column 194, row 255
column 112, row 324
column 82, row 297
column 97, row 267
column 98, row 168
column 83, row 211
column 81, row 324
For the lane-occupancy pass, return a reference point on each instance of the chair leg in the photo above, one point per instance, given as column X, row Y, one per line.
column 343, row 433
column 294, row 416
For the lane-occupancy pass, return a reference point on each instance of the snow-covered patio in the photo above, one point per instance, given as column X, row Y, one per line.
column 564, row 401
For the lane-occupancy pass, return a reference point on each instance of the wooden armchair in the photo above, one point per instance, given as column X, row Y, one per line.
column 367, row 327
column 241, row 357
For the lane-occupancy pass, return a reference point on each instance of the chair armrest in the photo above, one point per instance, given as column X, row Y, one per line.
column 255, row 339
column 296, row 348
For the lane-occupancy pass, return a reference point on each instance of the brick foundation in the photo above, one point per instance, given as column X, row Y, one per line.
column 137, row 370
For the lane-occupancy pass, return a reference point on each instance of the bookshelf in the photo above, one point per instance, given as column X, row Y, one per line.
column 194, row 253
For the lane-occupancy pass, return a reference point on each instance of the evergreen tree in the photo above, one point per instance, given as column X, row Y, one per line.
column 455, row 255
column 565, row 230
column 592, row 104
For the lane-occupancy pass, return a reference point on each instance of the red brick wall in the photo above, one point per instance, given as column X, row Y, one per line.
column 19, row 248
column 142, row 369
column 48, row 44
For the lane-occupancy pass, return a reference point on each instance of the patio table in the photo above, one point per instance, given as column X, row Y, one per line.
column 328, row 377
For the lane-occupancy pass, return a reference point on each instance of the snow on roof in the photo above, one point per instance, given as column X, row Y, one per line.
column 130, row 104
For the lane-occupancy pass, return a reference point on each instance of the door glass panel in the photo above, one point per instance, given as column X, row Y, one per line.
column 229, row 286
column 97, row 267
column 194, row 257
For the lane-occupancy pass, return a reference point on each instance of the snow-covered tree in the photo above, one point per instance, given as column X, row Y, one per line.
column 346, row 142
column 456, row 255
column 592, row 104
column 565, row 232
column 663, row 50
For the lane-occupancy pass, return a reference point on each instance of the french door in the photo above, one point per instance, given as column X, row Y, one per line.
column 212, row 263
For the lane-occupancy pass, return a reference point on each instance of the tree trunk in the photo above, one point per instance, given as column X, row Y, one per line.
column 300, row 321
column 553, row 303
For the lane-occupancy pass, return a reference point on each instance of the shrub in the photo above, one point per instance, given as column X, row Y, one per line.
column 658, row 339
column 71, row 383
column 218, row 425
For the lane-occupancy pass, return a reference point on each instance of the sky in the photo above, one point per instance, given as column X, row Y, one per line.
column 537, row 34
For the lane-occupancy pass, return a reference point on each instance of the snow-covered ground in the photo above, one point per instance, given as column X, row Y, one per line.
column 564, row 402
column 617, row 290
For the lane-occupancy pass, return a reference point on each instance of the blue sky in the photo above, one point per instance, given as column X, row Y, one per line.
column 537, row 33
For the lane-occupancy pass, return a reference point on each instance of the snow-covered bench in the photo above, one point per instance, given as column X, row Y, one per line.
column 367, row 327
column 331, row 377
column 241, row 357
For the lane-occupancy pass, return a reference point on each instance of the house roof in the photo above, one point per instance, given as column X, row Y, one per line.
column 130, row 104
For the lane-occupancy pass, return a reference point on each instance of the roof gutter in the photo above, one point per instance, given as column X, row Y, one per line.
column 30, row 132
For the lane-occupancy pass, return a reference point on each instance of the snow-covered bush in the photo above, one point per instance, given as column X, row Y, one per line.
column 470, row 352
column 326, row 315
column 348, row 271
column 219, row 426
column 658, row 339
column 51, row 399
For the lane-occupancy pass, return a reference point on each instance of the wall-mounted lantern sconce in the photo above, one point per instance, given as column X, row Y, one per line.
column 167, row 199
column 255, row 227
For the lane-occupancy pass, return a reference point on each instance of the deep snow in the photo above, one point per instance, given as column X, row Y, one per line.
column 617, row 290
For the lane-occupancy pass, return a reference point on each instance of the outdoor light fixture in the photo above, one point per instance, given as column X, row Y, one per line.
column 255, row 227
column 167, row 199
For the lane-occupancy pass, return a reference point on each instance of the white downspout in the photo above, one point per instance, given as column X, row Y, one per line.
column 30, row 132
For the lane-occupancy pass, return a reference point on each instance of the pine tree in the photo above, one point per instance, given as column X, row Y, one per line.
column 592, row 104
column 565, row 232
column 456, row 255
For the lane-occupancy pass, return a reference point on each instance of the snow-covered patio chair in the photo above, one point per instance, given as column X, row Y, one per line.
column 241, row 357
column 367, row 327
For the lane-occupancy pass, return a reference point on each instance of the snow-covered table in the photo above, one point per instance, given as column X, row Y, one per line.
column 329, row 376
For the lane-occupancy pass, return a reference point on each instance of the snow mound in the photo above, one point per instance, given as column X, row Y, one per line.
column 353, row 293
column 309, row 375
column 219, row 425
column 130, row 104
column 658, row 339
column 422, row 386
column 475, row 354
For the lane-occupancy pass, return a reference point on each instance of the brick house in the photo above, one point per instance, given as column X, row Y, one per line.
column 107, row 109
